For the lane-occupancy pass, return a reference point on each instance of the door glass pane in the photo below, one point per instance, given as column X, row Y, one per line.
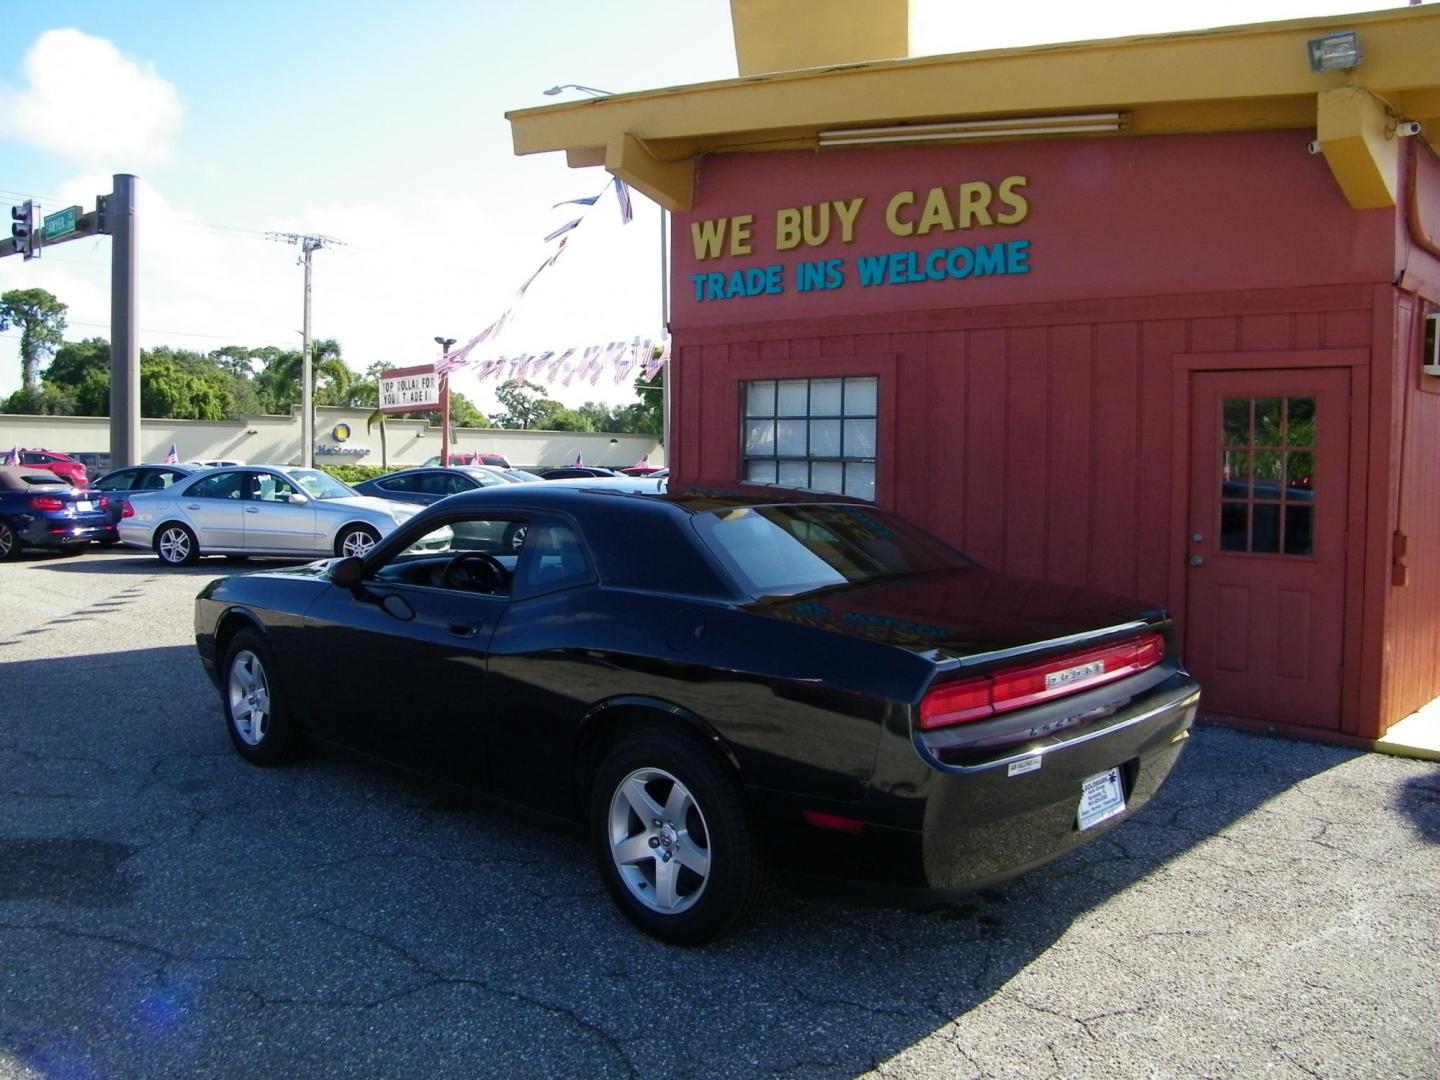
column 1237, row 422
column 1299, row 475
column 790, row 437
column 759, row 437
column 1234, row 526
column 1265, row 537
column 860, row 396
column 1301, row 413
column 1267, row 466
column 825, row 438
column 1235, row 475
column 1297, row 530
column 791, row 398
column 825, row 397
column 1268, row 422
column 760, row 398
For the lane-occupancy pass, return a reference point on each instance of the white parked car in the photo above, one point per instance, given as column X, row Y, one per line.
column 258, row 510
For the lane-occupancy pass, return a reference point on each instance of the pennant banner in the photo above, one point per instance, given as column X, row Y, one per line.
column 550, row 365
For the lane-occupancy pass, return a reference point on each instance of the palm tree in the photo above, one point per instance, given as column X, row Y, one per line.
column 378, row 417
column 283, row 372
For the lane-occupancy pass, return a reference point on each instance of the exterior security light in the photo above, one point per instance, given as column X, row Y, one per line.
column 1335, row 52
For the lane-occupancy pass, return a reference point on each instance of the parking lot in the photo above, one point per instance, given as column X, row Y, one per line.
column 168, row 911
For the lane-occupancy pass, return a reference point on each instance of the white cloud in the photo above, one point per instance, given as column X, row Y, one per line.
column 88, row 102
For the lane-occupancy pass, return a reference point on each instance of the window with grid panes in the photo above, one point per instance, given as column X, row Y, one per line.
column 817, row 434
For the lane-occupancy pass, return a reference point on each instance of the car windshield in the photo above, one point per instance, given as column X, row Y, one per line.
column 320, row 485
column 521, row 474
column 785, row 550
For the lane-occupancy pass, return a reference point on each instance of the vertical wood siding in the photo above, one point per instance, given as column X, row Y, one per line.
column 1412, row 624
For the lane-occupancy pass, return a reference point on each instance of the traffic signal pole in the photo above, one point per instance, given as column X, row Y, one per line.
column 119, row 218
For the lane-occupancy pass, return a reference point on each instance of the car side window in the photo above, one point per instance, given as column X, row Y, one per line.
column 164, row 478
column 397, row 483
column 435, row 484
column 553, row 558
column 224, row 485
column 455, row 484
column 120, row 481
column 272, row 488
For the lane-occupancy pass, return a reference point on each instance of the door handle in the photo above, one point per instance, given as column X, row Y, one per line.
column 252, row 509
column 1196, row 560
column 192, row 506
column 463, row 630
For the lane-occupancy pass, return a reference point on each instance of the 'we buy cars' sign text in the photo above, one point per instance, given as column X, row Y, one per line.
column 415, row 389
column 974, row 208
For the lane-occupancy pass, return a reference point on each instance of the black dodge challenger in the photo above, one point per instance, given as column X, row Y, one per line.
column 714, row 682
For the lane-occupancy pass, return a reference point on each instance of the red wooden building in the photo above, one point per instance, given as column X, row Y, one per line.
column 1113, row 342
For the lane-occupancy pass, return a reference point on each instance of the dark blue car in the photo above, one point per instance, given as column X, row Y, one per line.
column 38, row 509
column 120, row 483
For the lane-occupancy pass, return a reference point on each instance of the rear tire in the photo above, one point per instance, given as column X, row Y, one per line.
column 671, row 838
column 176, row 544
column 255, row 713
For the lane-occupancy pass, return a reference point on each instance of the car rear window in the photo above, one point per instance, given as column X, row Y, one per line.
column 785, row 550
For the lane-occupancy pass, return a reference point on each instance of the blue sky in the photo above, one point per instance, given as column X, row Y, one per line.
column 381, row 124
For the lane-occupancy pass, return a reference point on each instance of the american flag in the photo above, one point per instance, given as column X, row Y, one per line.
column 13, row 457
column 563, row 229
column 622, row 193
column 589, row 200
column 579, row 461
column 172, row 456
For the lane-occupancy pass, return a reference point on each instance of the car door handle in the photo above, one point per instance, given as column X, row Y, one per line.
column 465, row 630
column 252, row 509
column 192, row 506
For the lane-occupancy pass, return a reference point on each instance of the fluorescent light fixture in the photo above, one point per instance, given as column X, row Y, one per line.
column 1008, row 127
column 1335, row 52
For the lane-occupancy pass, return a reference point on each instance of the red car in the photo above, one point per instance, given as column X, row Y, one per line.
column 62, row 465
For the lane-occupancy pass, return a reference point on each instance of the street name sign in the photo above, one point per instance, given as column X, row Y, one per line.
column 62, row 222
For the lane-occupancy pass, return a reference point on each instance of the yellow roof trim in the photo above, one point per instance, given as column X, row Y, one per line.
column 1244, row 78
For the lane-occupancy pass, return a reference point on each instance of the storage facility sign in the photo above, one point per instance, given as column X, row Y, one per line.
column 414, row 389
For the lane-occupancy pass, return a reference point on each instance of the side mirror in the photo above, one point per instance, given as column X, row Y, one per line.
column 347, row 572
column 295, row 500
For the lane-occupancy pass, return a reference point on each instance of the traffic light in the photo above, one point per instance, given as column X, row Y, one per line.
column 22, row 228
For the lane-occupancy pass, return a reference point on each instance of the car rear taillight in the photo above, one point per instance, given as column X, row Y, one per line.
column 46, row 502
column 1014, row 688
column 104, row 502
column 129, row 510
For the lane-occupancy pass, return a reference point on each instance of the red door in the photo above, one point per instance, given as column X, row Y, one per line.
column 1266, row 551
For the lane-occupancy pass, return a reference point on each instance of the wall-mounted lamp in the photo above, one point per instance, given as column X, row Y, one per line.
column 253, row 431
column 1009, row 127
column 614, row 442
column 1335, row 52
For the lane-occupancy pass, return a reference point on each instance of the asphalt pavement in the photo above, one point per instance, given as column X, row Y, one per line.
column 167, row 910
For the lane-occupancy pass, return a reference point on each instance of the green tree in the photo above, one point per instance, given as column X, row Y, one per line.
column 41, row 318
column 524, row 405
column 42, row 400
column 280, row 381
column 82, row 369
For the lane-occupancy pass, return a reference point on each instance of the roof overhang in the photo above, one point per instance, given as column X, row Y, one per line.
column 1247, row 78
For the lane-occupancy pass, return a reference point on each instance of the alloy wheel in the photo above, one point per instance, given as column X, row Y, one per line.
column 248, row 693
column 659, row 841
column 174, row 546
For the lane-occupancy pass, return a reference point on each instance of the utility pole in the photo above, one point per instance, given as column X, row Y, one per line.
column 444, row 343
column 118, row 218
column 309, row 244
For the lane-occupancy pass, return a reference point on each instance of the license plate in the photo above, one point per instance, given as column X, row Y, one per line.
column 84, row 504
column 1101, row 798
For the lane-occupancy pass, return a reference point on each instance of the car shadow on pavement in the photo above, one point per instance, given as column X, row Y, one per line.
column 155, row 883
column 1420, row 801
column 138, row 562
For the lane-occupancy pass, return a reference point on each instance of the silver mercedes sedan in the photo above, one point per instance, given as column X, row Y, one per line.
column 257, row 510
